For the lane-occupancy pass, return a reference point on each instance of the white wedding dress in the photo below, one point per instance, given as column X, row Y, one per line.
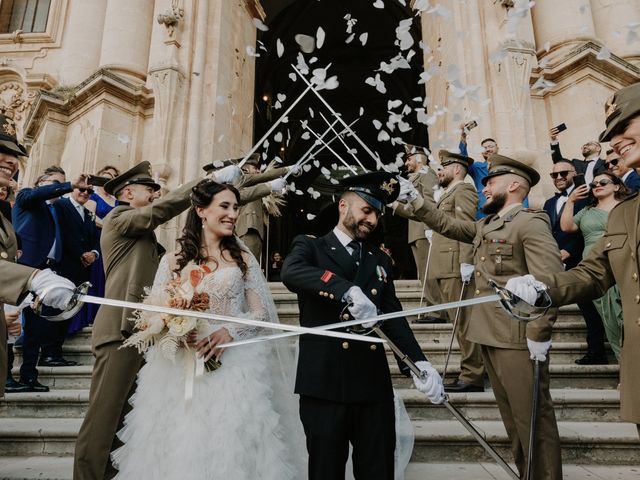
column 242, row 421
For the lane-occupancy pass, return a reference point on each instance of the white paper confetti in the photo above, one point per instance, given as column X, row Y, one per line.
column 320, row 35
column 306, row 43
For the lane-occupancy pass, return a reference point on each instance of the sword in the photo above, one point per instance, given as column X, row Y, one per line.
column 534, row 419
column 376, row 319
column 355, row 157
column 80, row 297
column 453, row 331
column 454, row 411
column 326, row 145
column 513, row 305
column 277, row 122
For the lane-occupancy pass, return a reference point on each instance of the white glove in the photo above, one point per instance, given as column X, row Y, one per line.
column 429, row 234
column 227, row 174
column 466, row 271
column 432, row 387
column 294, row 169
column 408, row 192
column 278, row 185
column 538, row 350
column 526, row 287
column 360, row 306
column 58, row 290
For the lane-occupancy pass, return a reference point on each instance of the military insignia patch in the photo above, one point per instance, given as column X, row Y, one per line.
column 9, row 128
column 610, row 106
column 389, row 186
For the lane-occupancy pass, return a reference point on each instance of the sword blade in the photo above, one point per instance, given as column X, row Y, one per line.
column 296, row 330
column 454, row 411
column 378, row 318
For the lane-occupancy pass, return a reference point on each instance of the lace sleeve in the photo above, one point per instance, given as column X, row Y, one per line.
column 163, row 276
column 257, row 302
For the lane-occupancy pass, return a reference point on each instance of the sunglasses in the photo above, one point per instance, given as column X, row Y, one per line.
column 562, row 174
column 600, row 183
column 612, row 163
column 85, row 190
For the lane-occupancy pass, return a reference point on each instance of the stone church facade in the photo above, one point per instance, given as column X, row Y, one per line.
column 97, row 82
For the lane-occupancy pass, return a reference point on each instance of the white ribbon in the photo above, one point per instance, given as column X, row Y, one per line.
column 193, row 368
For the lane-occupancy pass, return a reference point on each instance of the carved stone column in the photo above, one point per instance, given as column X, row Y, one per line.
column 557, row 23
column 614, row 23
column 126, row 38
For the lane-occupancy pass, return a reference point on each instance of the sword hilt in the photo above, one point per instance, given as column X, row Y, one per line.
column 517, row 307
column 73, row 306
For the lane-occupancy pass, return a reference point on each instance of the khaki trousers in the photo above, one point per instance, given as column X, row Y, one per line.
column 471, row 364
column 420, row 250
column 511, row 375
column 254, row 243
column 112, row 383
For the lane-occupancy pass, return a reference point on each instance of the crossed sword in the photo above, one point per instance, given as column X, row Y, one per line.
column 507, row 300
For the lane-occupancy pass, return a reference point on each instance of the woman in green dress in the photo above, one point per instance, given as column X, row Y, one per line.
column 607, row 191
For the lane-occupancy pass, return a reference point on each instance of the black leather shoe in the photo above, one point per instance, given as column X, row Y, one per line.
column 429, row 319
column 11, row 386
column 33, row 386
column 56, row 362
column 592, row 360
column 460, row 387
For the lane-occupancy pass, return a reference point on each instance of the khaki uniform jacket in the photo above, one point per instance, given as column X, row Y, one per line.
column 612, row 260
column 425, row 182
column 518, row 243
column 131, row 254
column 14, row 280
column 251, row 215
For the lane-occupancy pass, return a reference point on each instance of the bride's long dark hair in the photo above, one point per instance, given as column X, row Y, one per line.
column 191, row 240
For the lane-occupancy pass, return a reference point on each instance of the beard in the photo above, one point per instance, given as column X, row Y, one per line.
column 496, row 204
column 352, row 225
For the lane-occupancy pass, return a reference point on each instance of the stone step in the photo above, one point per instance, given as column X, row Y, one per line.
column 571, row 405
column 582, row 442
column 61, row 468
column 562, row 376
column 561, row 352
column 436, row 440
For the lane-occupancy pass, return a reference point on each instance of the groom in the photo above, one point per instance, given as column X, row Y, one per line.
column 345, row 387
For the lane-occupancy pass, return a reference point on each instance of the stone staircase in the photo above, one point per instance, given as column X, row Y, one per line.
column 38, row 431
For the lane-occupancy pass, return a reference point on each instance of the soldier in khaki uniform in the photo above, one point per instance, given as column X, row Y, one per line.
column 510, row 240
column 250, row 225
column 131, row 255
column 452, row 262
column 615, row 258
column 17, row 280
column 425, row 180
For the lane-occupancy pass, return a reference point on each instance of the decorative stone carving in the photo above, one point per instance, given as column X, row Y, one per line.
column 171, row 17
column 15, row 101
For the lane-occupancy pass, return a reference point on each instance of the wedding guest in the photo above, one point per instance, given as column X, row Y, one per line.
column 100, row 204
column 275, row 266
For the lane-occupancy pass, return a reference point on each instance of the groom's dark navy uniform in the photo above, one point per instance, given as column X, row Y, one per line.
column 345, row 387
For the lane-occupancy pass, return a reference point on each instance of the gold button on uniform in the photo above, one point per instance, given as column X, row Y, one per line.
column 477, row 274
column 477, row 292
column 482, row 258
column 374, row 291
column 373, row 348
column 345, row 345
column 345, row 316
column 635, row 277
column 331, row 296
column 608, row 245
column 637, row 298
column 4, row 255
column 497, row 250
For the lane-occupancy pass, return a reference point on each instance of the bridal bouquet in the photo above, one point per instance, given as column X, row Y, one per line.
column 167, row 331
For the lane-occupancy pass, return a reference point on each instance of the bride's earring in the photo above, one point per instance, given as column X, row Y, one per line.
column 204, row 222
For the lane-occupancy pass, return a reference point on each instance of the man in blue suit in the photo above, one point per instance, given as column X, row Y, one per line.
column 571, row 246
column 35, row 223
column 618, row 167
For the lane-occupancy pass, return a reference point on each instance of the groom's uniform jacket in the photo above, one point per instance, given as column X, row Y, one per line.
column 320, row 271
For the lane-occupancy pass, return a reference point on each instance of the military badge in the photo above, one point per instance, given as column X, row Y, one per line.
column 610, row 106
column 389, row 186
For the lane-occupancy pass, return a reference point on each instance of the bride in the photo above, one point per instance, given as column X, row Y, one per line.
column 241, row 421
